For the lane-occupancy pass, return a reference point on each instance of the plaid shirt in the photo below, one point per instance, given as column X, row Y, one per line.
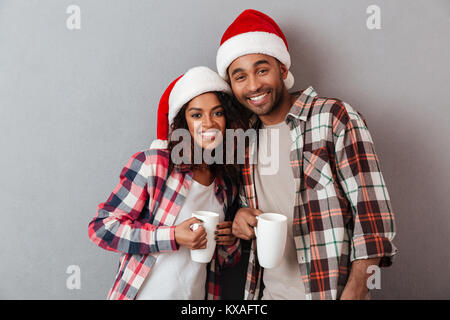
column 138, row 221
column 342, row 210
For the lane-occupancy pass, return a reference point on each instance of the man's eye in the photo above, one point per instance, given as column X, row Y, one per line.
column 239, row 78
column 262, row 71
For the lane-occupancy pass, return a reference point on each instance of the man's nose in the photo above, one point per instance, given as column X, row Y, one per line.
column 253, row 84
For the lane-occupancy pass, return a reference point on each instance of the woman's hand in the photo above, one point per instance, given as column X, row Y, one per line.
column 185, row 237
column 223, row 234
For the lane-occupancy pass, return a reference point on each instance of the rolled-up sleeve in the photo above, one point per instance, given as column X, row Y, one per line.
column 360, row 176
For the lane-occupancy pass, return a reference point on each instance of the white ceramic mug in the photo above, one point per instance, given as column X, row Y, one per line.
column 210, row 221
column 270, row 234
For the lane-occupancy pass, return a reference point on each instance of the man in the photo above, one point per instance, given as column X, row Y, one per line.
column 329, row 183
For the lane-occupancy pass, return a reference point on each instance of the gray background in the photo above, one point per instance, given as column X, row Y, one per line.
column 76, row 104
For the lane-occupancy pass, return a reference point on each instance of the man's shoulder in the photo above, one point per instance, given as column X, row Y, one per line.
column 325, row 108
column 336, row 107
column 336, row 112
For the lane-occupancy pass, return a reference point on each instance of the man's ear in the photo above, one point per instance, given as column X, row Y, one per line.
column 284, row 71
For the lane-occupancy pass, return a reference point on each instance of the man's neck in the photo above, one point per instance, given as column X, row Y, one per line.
column 279, row 114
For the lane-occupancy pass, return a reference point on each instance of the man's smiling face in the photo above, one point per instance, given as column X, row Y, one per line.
column 257, row 82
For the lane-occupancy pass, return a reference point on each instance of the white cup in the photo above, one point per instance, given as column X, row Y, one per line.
column 270, row 234
column 210, row 220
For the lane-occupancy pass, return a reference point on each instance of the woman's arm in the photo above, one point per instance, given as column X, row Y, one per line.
column 116, row 226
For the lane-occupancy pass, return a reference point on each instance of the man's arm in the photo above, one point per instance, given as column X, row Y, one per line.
column 359, row 175
column 356, row 287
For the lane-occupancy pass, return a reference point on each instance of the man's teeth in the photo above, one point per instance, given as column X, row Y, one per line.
column 258, row 97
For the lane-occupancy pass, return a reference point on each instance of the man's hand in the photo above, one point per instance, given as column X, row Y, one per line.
column 355, row 293
column 244, row 221
column 187, row 238
column 356, row 287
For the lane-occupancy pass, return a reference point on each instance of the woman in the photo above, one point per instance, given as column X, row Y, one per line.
column 148, row 215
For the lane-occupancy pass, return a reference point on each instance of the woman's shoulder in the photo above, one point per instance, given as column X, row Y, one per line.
column 151, row 156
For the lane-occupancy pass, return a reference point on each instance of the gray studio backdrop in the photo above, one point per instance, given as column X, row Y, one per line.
column 77, row 103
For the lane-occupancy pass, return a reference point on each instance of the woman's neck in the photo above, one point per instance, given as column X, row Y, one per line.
column 203, row 174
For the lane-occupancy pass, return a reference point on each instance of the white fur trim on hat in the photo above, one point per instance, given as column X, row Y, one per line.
column 289, row 81
column 194, row 82
column 159, row 144
column 253, row 42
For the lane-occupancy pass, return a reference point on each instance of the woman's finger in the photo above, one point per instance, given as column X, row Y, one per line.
column 200, row 244
column 224, row 224
column 225, row 238
column 223, row 231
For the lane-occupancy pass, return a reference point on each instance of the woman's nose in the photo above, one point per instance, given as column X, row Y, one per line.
column 207, row 122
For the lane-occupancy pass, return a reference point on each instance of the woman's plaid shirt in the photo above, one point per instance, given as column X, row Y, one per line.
column 342, row 209
column 138, row 221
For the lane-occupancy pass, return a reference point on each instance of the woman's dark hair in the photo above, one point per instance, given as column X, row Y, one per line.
column 236, row 116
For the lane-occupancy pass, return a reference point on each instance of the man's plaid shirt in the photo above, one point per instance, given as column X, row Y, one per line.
column 342, row 210
column 138, row 221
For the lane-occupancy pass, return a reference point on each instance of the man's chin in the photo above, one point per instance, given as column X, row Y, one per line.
column 262, row 111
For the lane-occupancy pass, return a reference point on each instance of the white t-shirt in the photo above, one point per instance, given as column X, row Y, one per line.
column 174, row 275
column 276, row 193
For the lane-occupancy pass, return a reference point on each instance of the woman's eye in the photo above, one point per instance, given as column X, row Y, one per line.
column 195, row 115
column 219, row 113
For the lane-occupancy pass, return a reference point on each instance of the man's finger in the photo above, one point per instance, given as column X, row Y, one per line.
column 257, row 212
column 252, row 221
column 237, row 231
column 251, row 234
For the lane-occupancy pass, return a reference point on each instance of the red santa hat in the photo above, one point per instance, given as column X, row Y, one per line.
column 253, row 32
column 194, row 82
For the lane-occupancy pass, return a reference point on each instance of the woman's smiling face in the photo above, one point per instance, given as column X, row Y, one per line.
column 206, row 120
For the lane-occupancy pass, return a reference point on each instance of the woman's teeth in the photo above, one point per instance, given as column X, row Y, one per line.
column 209, row 135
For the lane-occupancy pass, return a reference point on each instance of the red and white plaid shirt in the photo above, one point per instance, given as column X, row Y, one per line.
column 138, row 221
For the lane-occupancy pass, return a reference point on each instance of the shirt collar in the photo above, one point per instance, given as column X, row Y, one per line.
column 301, row 107
column 218, row 181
